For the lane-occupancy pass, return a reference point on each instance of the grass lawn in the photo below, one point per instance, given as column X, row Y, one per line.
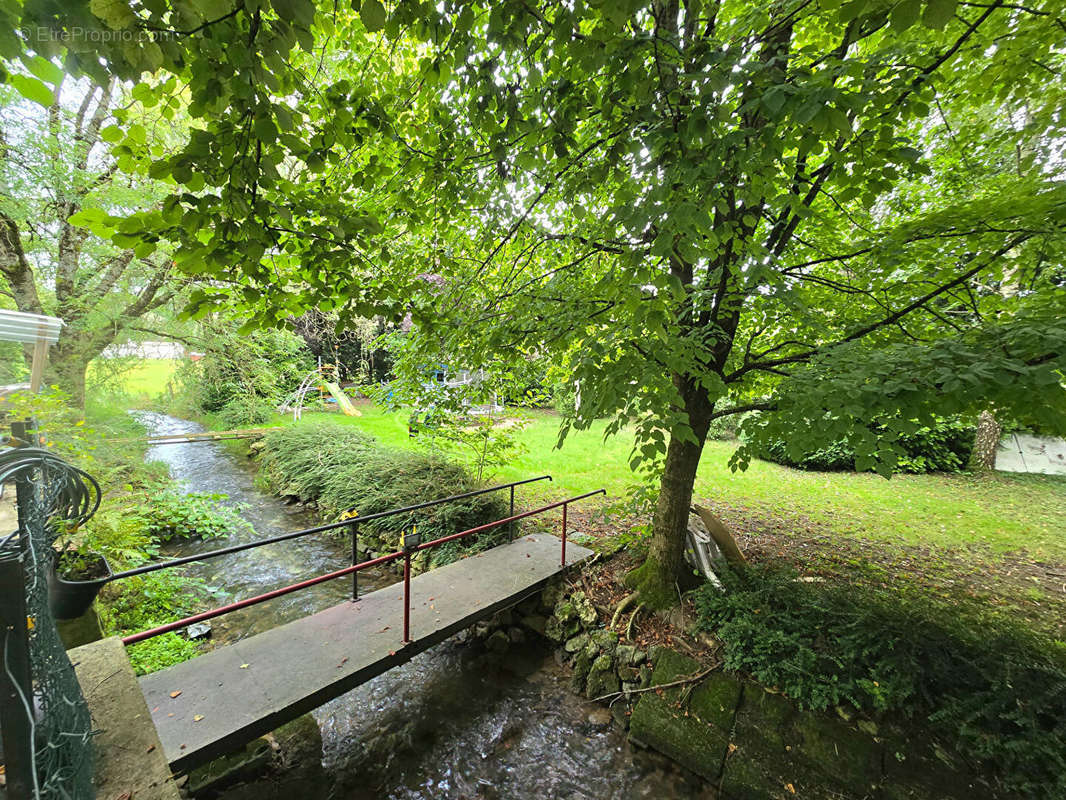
column 1000, row 538
column 1002, row 511
column 142, row 379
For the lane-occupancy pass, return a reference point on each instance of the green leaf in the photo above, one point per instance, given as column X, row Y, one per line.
column 33, row 89
column 116, row 14
column 301, row 12
column 905, row 14
column 939, row 13
column 373, row 15
column 213, row 9
column 45, row 70
column 112, row 133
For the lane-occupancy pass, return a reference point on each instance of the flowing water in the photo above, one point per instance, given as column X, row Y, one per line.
column 453, row 722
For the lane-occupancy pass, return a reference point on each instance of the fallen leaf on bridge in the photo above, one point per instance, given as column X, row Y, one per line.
column 197, row 717
column 243, row 666
column 175, row 694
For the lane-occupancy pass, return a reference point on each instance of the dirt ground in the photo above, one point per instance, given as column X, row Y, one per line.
column 1013, row 581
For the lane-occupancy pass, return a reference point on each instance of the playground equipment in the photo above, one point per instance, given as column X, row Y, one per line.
column 317, row 380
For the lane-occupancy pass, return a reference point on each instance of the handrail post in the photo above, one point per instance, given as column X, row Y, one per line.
column 406, row 596
column 16, row 692
column 511, row 526
column 355, row 560
column 562, row 563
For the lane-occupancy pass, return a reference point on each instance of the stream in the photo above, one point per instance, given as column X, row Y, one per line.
column 451, row 723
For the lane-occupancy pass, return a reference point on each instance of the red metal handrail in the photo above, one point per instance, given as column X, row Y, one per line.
column 404, row 554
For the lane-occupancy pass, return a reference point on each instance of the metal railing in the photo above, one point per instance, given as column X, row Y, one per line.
column 411, row 547
column 352, row 523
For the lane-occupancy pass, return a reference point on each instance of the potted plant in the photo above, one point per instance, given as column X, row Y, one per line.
column 74, row 580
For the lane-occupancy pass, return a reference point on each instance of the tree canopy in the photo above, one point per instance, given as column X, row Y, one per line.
column 845, row 215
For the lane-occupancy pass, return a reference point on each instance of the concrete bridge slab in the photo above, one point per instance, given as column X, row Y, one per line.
column 222, row 700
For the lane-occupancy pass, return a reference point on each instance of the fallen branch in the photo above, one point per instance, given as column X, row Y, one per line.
column 670, row 685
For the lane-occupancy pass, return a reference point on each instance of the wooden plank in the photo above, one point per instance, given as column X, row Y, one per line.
column 232, row 695
column 203, row 436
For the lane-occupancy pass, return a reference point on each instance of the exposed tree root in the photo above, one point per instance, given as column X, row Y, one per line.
column 626, row 602
column 632, row 619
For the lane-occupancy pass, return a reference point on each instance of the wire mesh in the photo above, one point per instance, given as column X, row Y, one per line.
column 50, row 491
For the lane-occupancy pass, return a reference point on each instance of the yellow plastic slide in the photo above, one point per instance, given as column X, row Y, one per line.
column 343, row 403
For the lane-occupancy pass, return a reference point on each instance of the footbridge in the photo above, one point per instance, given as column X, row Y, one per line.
column 218, row 702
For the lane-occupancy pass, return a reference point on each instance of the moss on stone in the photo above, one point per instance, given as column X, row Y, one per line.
column 696, row 733
column 82, row 630
column 650, row 581
column 658, row 724
column 833, row 748
column 576, row 643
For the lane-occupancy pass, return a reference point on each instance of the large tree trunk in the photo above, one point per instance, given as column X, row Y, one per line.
column 986, row 440
column 66, row 369
column 658, row 578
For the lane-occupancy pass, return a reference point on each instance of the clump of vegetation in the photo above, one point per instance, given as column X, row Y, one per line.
column 244, row 410
column 386, row 478
column 241, row 375
column 993, row 688
column 146, row 601
column 299, row 461
column 942, row 447
column 345, row 471
column 172, row 514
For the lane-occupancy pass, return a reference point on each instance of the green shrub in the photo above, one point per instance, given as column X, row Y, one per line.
column 171, row 514
column 146, row 601
column 384, row 479
column 984, row 682
column 299, row 460
column 341, row 469
column 246, row 410
column 944, row 447
column 266, row 364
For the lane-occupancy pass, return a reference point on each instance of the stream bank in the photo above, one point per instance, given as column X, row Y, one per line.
column 467, row 719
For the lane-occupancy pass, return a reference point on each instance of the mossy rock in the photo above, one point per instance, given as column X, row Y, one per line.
column 82, row 630
column 576, row 643
column 553, row 629
column 916, row 769
column 565, row 611
column 840, row 752
column 535, row 623
column 605, row 641
column 764, row 722
column 247, row 763
column 695, row 734
column 586, row 612
column 601, row 684
column 579, row 677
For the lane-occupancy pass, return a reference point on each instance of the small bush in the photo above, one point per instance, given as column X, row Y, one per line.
column 246, row 410
column 341, row 469
column 993, row 688
column 146, row 601
column 298, row 461
column 172, row 514
column 944, row 447
column 384, row 479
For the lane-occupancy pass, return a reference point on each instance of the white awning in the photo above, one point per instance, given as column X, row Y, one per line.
column 16, row 326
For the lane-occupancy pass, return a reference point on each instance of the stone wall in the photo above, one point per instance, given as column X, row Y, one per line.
column 749, row 742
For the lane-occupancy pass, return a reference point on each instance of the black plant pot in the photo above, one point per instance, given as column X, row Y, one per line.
column 69, row 599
